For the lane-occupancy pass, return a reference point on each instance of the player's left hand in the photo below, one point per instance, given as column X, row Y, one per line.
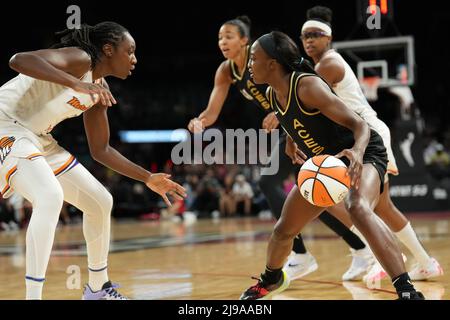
column 270, row 122
column 162, row 185
column 355, row 167
column 196, row 125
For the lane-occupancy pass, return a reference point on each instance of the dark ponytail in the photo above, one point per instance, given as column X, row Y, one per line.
column 243, row 23
column 91, row 39
column 305, row 66
column 280, row 47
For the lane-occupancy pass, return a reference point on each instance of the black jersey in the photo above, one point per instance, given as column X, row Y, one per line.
column 316, row 134
column 251, row 91
column 313, row 132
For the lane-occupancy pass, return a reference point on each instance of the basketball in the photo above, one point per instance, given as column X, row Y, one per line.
column 322, row 180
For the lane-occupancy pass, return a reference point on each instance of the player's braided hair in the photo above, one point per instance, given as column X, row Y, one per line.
column 92, row 38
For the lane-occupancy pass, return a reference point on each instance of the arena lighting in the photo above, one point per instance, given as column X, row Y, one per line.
column 383, row 4
column 153, row 136
column 364, row 7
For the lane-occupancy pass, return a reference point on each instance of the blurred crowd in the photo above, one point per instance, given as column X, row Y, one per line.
column 213, row 190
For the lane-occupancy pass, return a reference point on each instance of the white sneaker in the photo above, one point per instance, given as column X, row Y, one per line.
column 299, row 265
column 431, row 270
column 362, row 261
column 373, row 278
column 376, row 274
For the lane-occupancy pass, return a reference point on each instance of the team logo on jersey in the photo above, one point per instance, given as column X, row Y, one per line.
column 5, row 147
column 74, row 102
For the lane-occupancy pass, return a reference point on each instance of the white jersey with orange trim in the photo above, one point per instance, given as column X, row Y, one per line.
column 40, row 105
column 29, row 110
column 349, row 90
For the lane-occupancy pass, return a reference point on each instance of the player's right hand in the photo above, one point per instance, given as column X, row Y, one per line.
column 196, row 125
column 355, row 168
column 98, row 92
column 270, row 122
column 292, row 150
column 162, row 185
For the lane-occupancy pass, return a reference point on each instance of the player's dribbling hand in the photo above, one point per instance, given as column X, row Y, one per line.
column 162, row 185
column 196, row 125
column 96, row 90
column 270, row 122
column 356, row 165
column 293, row 152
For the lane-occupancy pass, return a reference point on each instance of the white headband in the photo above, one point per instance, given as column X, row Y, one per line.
column 319, row 25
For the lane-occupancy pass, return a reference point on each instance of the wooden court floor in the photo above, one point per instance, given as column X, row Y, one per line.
column 209, row 259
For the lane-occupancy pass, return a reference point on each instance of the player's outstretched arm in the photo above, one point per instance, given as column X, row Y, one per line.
column 222, row 82
column 97, row 131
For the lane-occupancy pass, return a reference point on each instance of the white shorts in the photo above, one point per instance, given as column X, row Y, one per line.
column 17, row 142
column 383, row 130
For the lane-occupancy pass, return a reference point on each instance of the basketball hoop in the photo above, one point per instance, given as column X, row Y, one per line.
column 370, row 86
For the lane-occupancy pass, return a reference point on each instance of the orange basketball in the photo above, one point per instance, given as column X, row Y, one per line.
column 322, row 180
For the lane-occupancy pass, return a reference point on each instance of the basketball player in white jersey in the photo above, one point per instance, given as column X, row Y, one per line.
column 316, row 36
column 53, row 85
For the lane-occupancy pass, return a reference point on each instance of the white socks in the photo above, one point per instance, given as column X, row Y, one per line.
column 34, row 289
column 359, row 234
column 98, row 278
column 409, row 238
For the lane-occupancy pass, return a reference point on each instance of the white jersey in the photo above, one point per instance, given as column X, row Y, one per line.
column 29, row 110
column 349, row 90
column 40, row 105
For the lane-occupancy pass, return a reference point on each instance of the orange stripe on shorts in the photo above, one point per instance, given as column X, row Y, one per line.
column 64, row 166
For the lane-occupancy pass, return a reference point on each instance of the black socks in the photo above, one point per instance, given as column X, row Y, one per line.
column 299, row 246
column 405, row 288
column 271, row 276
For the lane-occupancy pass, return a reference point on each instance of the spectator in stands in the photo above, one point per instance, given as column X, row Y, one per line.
column 191, row 186
column 243, row 193
column 227, row 202
column 207, row 194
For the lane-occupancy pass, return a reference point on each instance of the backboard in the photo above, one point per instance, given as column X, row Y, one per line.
column 390, row 59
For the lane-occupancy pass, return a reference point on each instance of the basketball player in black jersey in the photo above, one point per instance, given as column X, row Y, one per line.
column 316, row 37
column 234, row 37
column 318, row 122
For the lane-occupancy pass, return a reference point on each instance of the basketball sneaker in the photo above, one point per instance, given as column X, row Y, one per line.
column 377, row 273
column 362, row 262
column 299, row 265
column 411, row 295
column 263, row 291
column 108, row 292
column 431, row 270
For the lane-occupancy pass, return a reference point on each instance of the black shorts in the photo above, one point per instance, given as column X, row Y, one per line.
column 375, row 154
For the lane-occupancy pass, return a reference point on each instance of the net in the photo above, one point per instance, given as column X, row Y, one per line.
column 370, row 86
